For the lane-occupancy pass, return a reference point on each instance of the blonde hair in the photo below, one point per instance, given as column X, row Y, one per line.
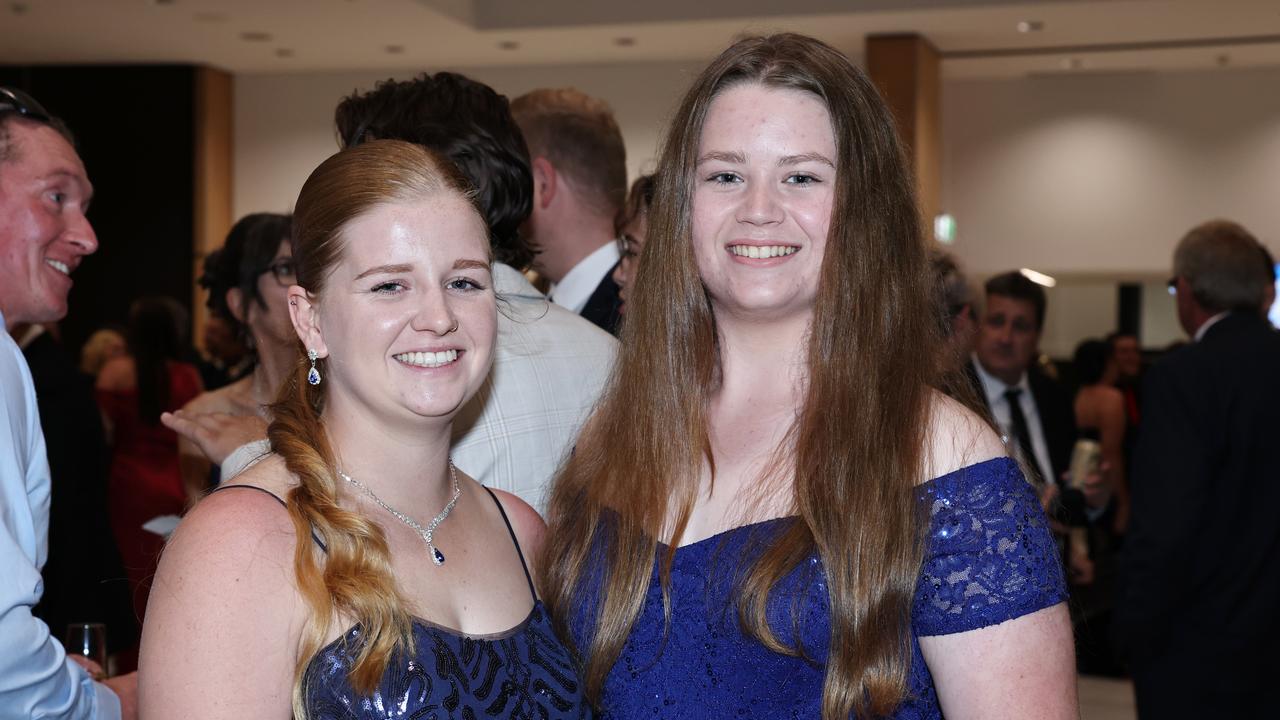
column 94, row 353
column 352, row 577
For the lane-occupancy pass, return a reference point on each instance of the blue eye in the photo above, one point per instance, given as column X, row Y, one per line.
column 802, row 179
column 388, row 288
column 463, row 283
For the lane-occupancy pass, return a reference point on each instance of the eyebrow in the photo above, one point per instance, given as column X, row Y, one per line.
column 784, row 161
column 804, row 158
column 383, row 269
column 465, row 264
column 729, row 157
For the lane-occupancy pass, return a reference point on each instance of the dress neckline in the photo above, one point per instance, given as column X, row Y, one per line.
column 770, row 522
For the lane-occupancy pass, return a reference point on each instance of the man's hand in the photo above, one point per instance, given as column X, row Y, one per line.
column 216, row 434
column 126, row 688
column 1097, row 487
column 94, row 669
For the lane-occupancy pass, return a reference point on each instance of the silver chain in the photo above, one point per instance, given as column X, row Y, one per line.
column 426, row 533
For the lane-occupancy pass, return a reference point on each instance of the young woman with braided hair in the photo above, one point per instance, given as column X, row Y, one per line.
column 355, row 573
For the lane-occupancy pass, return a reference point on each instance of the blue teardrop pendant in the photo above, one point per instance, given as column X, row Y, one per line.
column 436, row 556
column 313, row 377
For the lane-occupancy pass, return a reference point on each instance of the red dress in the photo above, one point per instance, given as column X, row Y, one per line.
column 145, row 481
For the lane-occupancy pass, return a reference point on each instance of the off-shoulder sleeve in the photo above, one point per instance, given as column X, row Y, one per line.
column 989, row 555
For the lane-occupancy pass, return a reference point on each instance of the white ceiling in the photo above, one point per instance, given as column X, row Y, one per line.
column 978, row 38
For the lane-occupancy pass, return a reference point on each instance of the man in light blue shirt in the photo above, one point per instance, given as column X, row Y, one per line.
column 44, row 192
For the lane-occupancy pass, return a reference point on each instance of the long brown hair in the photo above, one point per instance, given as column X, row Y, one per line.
column 857, row 439
column 352, row 577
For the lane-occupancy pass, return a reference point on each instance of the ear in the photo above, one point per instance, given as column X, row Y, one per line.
column 544, row 182
column 305, row 314
column 235, row 303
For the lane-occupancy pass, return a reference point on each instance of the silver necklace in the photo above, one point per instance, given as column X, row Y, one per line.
column 426, row 533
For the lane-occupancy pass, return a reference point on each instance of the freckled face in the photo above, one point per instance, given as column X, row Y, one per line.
column 408, row 316
column 44, row 193
column 764, row 188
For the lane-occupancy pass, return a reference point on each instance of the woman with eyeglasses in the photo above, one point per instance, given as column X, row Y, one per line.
column 248, row 281
column 630, row 227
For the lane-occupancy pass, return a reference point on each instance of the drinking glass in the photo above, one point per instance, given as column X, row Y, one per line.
column 88, row 640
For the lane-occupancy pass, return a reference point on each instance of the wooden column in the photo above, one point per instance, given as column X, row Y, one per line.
column 907, row 70
column 213, row 145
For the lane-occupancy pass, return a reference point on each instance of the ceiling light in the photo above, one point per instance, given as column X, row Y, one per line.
column 508, row 45
column 1038, row 278
column 255, row 36
column 1030, row 26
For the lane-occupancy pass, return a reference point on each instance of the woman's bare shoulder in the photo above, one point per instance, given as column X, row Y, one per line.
column 956, row 437
column 525, row 522
column 225, row 399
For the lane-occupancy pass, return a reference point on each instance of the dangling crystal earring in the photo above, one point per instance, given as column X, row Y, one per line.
column 313, row 377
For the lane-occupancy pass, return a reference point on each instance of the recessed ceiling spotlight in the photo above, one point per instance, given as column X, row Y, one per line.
column 1030, row 26
column 1071, row 63
column 284, row 52
column 394, row 49
column 624, row 41
column 255, row 36
column 1038, row 278
column 508, row 45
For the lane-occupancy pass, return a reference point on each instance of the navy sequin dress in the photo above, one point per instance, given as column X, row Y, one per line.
column 524, row 672
column 990, row 557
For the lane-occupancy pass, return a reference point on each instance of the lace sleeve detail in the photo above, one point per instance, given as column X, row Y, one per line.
column 989, row 555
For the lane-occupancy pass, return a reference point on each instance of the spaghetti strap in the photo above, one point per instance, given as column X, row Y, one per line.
column 280, row 500
column 514, row 541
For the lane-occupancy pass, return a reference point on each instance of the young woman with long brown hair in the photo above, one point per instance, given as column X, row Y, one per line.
column 772, row 513
column 355, row 573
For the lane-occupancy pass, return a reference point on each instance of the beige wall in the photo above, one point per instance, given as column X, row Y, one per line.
column 284, row 123
column 1090, row 177
column 1104, row 173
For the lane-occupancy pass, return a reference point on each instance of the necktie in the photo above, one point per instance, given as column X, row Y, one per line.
column 1023, row 434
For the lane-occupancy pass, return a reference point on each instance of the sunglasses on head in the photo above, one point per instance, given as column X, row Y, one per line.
column 13, row 100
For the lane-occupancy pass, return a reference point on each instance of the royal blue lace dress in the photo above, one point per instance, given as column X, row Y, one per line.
column 524, row 672
column 990, row 557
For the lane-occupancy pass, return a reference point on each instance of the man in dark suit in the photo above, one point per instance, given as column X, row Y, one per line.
column 1032, row 410
column 579, row 165
column 1199, row 604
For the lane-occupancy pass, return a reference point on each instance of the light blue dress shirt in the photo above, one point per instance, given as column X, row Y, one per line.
column 37, row 680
